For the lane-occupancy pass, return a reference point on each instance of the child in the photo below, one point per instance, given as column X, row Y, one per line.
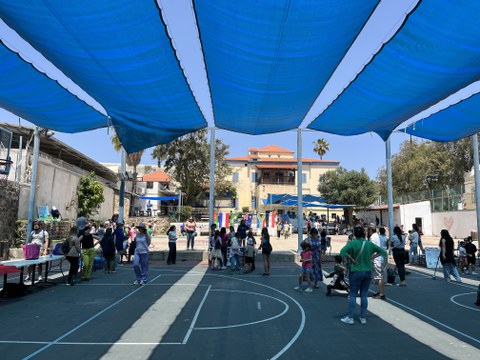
column 108, row 250
column 462, row 257
column 216, row 252
column 234, row 252
column 306, row 260
column 131, row 248
column 251, row 238
column 338, row 275
column 249, row 253
column 217, row 258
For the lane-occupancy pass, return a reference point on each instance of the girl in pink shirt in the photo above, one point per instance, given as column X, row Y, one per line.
column 306, row 260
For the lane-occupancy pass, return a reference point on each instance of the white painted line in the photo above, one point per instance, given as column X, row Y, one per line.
column 444, row 352
column 259, row 305
column 156, row 321
column 192, row 325
column 148, row 284
column 286, row 308
column 85, row 322
column 302, row 312
column 86, row 343
column 452, row 299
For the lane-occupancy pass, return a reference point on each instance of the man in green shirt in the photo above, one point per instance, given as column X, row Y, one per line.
column 150, row 230
column 360, row 252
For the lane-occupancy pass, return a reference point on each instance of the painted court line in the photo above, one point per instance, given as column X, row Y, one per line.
column 158, row 319
column 286, row 308
column 197, row 313
column 85, row 322
column 452, row 299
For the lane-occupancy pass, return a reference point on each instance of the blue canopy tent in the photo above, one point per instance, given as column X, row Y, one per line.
column 159, row 198
column 120, row 54
column 434, row 54
column 266, row 63
column 30, row 94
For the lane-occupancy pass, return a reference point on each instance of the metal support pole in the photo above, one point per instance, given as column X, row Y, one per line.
column 477, row 180
column 121, row 200
column 212, row 174
column 388, row 155
column 179, row 203
column 299, row 189
column 33, row 182
column 18, row 172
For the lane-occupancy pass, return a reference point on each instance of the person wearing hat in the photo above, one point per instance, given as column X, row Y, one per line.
column 140, row 258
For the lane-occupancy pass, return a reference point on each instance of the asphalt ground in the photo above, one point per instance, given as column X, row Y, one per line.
column 187, row 311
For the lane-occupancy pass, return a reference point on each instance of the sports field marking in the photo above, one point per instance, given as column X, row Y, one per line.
column 197, row 313
column 286, row 308
column 259, row 305
column 174, row 299
column 302, row 312
column 85, row 322
column 452, row 299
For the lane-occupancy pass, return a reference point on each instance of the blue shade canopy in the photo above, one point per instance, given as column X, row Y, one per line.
column 279, row 199
column 159, row 198
column 120, row 54
column 453, row 123
column 434, row 54
column 268, row 60
column 27, row 93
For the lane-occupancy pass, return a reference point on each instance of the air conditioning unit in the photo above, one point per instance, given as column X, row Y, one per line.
column 141, row 191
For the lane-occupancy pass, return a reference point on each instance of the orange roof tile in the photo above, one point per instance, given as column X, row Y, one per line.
column 157, row 176
column 275, row 149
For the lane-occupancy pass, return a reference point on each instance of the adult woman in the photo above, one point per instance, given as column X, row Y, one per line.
column 266, row 248
column 398, row 250
column 39, row 237
column 190, row 226
column 446, row 256
column 316, row 257
column 172, row 245
column 73, row 254
column 88, row 252
column 140, row 259
column 360, row 253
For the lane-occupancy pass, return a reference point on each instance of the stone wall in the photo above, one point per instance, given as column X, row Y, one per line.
column 8, row 215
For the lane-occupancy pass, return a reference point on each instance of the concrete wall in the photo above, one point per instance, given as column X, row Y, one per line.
column 409, row 212
column 56, row 186
column 458, row 223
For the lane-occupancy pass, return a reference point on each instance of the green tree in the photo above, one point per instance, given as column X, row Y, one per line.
column 89, row 195
column 132, row 160
column 348, row 187
column 427, row 165
column 188, row 160
column 321, row 146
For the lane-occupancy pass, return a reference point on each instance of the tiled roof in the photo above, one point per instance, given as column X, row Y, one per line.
column 157, row 176
column 275, row 149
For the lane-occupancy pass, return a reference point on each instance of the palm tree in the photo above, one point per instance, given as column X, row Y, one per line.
column 132, row 160
column 321, row 147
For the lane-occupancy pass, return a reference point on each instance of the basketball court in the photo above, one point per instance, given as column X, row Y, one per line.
column 188, row 311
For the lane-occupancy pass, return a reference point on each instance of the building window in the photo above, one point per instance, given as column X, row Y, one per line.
column 304, row 178
column 235, row 177
column 149, row 184
column 254, row 177
column 254, row 202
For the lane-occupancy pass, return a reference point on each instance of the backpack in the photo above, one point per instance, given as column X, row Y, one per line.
column 65, row 247
column 267, row 248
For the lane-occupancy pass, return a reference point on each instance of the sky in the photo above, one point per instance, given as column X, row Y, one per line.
column 353, row 152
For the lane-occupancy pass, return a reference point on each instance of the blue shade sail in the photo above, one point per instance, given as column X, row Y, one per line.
column 453, row 123
column 268, row 60
column 434, row 54
column 120, row 54
column 27, row 93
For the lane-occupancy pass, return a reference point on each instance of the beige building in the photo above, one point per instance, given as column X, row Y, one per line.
column 273, row 170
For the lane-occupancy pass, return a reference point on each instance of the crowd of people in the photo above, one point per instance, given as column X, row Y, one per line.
column 119, row 243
